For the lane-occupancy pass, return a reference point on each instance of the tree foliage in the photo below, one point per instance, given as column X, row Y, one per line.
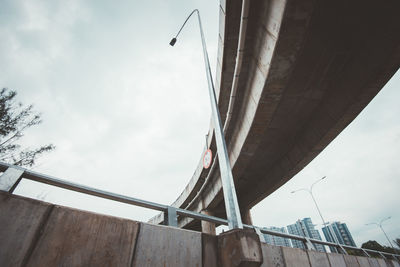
column 15, row 118
column 397, row 242
column 372, row 244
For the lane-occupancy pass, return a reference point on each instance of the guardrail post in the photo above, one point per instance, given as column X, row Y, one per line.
column 396, row 258
column 383, row 256
column 366, row 253
column 10, row 179
column 172, row 218
column 261, row 235
column 342, row 249
column 309, row 245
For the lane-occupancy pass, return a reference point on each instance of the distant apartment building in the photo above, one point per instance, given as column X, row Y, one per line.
column 340, row 231
column 276, row 240
column 306, row 228
column 296, row 229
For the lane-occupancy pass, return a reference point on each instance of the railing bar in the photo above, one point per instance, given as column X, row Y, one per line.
column 201, row 216
column 375, row 251
column 38, row 177
column 46, row 179
column 301, row 238
column 92, row 191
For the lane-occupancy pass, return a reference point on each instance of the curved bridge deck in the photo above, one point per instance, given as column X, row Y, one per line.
column 309, row 68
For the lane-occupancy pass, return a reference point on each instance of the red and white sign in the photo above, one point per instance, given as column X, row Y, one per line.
column 207, row 159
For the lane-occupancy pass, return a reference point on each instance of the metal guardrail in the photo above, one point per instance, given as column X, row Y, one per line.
column 13, row 175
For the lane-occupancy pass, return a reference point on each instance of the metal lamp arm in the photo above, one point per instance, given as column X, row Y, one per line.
column 316, row 183
column 173, row 41
column 385, row 220
column 301, row 189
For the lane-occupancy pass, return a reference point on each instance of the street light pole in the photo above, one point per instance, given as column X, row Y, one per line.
column 309, row 190
column 228, row 186
column 380, row 226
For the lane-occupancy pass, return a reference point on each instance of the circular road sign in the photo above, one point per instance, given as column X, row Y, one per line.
column 207, row 159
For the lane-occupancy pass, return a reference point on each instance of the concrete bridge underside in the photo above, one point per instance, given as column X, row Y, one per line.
column 309, row 68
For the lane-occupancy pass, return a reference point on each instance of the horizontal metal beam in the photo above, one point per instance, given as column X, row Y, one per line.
column 45, row 179
column 200, row 216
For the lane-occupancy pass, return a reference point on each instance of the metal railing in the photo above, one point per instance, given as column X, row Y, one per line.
column 12, row 176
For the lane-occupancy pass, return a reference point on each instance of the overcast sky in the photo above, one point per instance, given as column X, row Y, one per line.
column 128, row 114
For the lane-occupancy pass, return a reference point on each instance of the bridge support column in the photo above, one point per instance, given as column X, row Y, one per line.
column 207, row 227
column 246, row 217
column 239, row 248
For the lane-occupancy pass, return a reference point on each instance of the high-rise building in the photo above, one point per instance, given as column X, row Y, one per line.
column 305, row 228
column 341, row 233
column 296, row 229
column 276, row 240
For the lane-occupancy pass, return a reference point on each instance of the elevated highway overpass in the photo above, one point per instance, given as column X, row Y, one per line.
column 291, row 75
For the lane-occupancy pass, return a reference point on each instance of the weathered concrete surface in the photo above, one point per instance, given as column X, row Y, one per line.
column 34, row 233
column 210, row 250
column 20, row 222
column 287, row 257
column 381, row 262
column 295, row 257
column 351, row 261
column 318, row 259
column 272, row 256
column 373, row 262
column 336, row 260
column 363, row 261
column 167, row 246
column 239, row 248
column 77, row 238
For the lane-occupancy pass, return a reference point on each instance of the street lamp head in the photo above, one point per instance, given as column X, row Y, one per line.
column 173, row 41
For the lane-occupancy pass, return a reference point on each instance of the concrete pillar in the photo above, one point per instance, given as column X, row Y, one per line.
column 207, row 227
column 239, row 248
column 246, row 217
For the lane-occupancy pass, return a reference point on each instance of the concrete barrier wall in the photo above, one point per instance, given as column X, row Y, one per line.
column 34, row 233
column 284, row 256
